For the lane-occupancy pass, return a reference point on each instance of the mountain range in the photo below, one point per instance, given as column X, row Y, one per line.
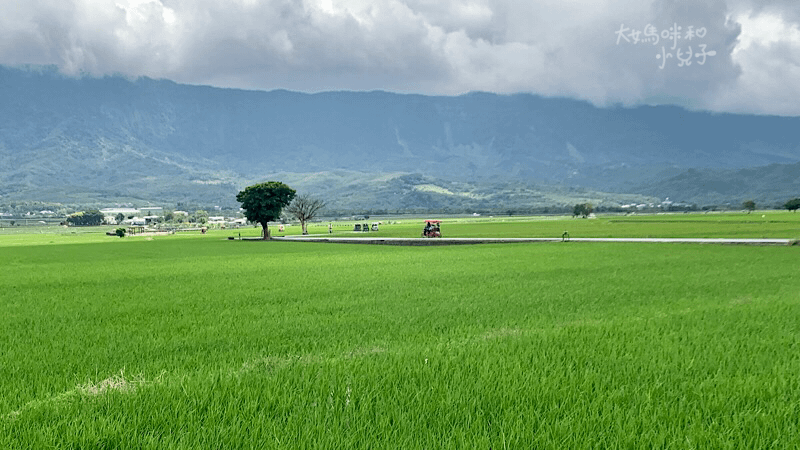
column 87, row 140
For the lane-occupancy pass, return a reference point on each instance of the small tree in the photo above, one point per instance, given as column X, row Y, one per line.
column 582, row 209
column 119, row 217
column 262, row 203
column 749, row 205
column 201, row 216
column 793, row 204
column 304, row 208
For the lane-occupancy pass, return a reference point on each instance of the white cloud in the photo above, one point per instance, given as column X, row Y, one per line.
column 769, row 54
column 549, row 47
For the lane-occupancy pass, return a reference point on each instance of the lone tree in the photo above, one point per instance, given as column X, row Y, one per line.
column 304, row 208
column 792, row 205
column 582, row 209
column 263, row 202
column 749, row 205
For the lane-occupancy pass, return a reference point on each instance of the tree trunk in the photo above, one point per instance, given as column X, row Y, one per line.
column 265, row 231
column 304, row 226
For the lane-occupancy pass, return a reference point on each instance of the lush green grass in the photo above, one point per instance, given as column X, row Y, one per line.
column 199, row 342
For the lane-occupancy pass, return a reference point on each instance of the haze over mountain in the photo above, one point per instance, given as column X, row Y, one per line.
column 110, row 139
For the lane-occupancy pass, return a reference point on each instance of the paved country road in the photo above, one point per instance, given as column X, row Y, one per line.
column 456, row 241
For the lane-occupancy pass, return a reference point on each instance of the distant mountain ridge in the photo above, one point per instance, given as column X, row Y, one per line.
column 110, row 137
column 769, row 185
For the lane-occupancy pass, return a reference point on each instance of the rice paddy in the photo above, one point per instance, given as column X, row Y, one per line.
column 195, row 341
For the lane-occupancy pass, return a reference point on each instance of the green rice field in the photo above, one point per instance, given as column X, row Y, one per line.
column 196, row 341
column 767, row 224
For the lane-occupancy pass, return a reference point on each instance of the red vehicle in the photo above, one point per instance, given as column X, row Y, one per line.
column 432, row 229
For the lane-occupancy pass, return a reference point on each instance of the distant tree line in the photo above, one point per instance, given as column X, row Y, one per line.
column 510, row 211
column 86, row 218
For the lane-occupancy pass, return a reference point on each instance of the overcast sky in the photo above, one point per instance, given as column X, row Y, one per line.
column 729, row 55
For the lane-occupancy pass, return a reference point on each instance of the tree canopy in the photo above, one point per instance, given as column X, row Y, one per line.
column 749, row 205
column 793, row 204
column 582, row 209
column 86, row 218
column 263, row 202
column 200, row 216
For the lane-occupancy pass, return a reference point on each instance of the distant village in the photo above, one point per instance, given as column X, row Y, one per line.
column 152, row 215
column 147, row 216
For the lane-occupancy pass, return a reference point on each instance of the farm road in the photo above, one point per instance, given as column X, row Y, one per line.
column 457, row 241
